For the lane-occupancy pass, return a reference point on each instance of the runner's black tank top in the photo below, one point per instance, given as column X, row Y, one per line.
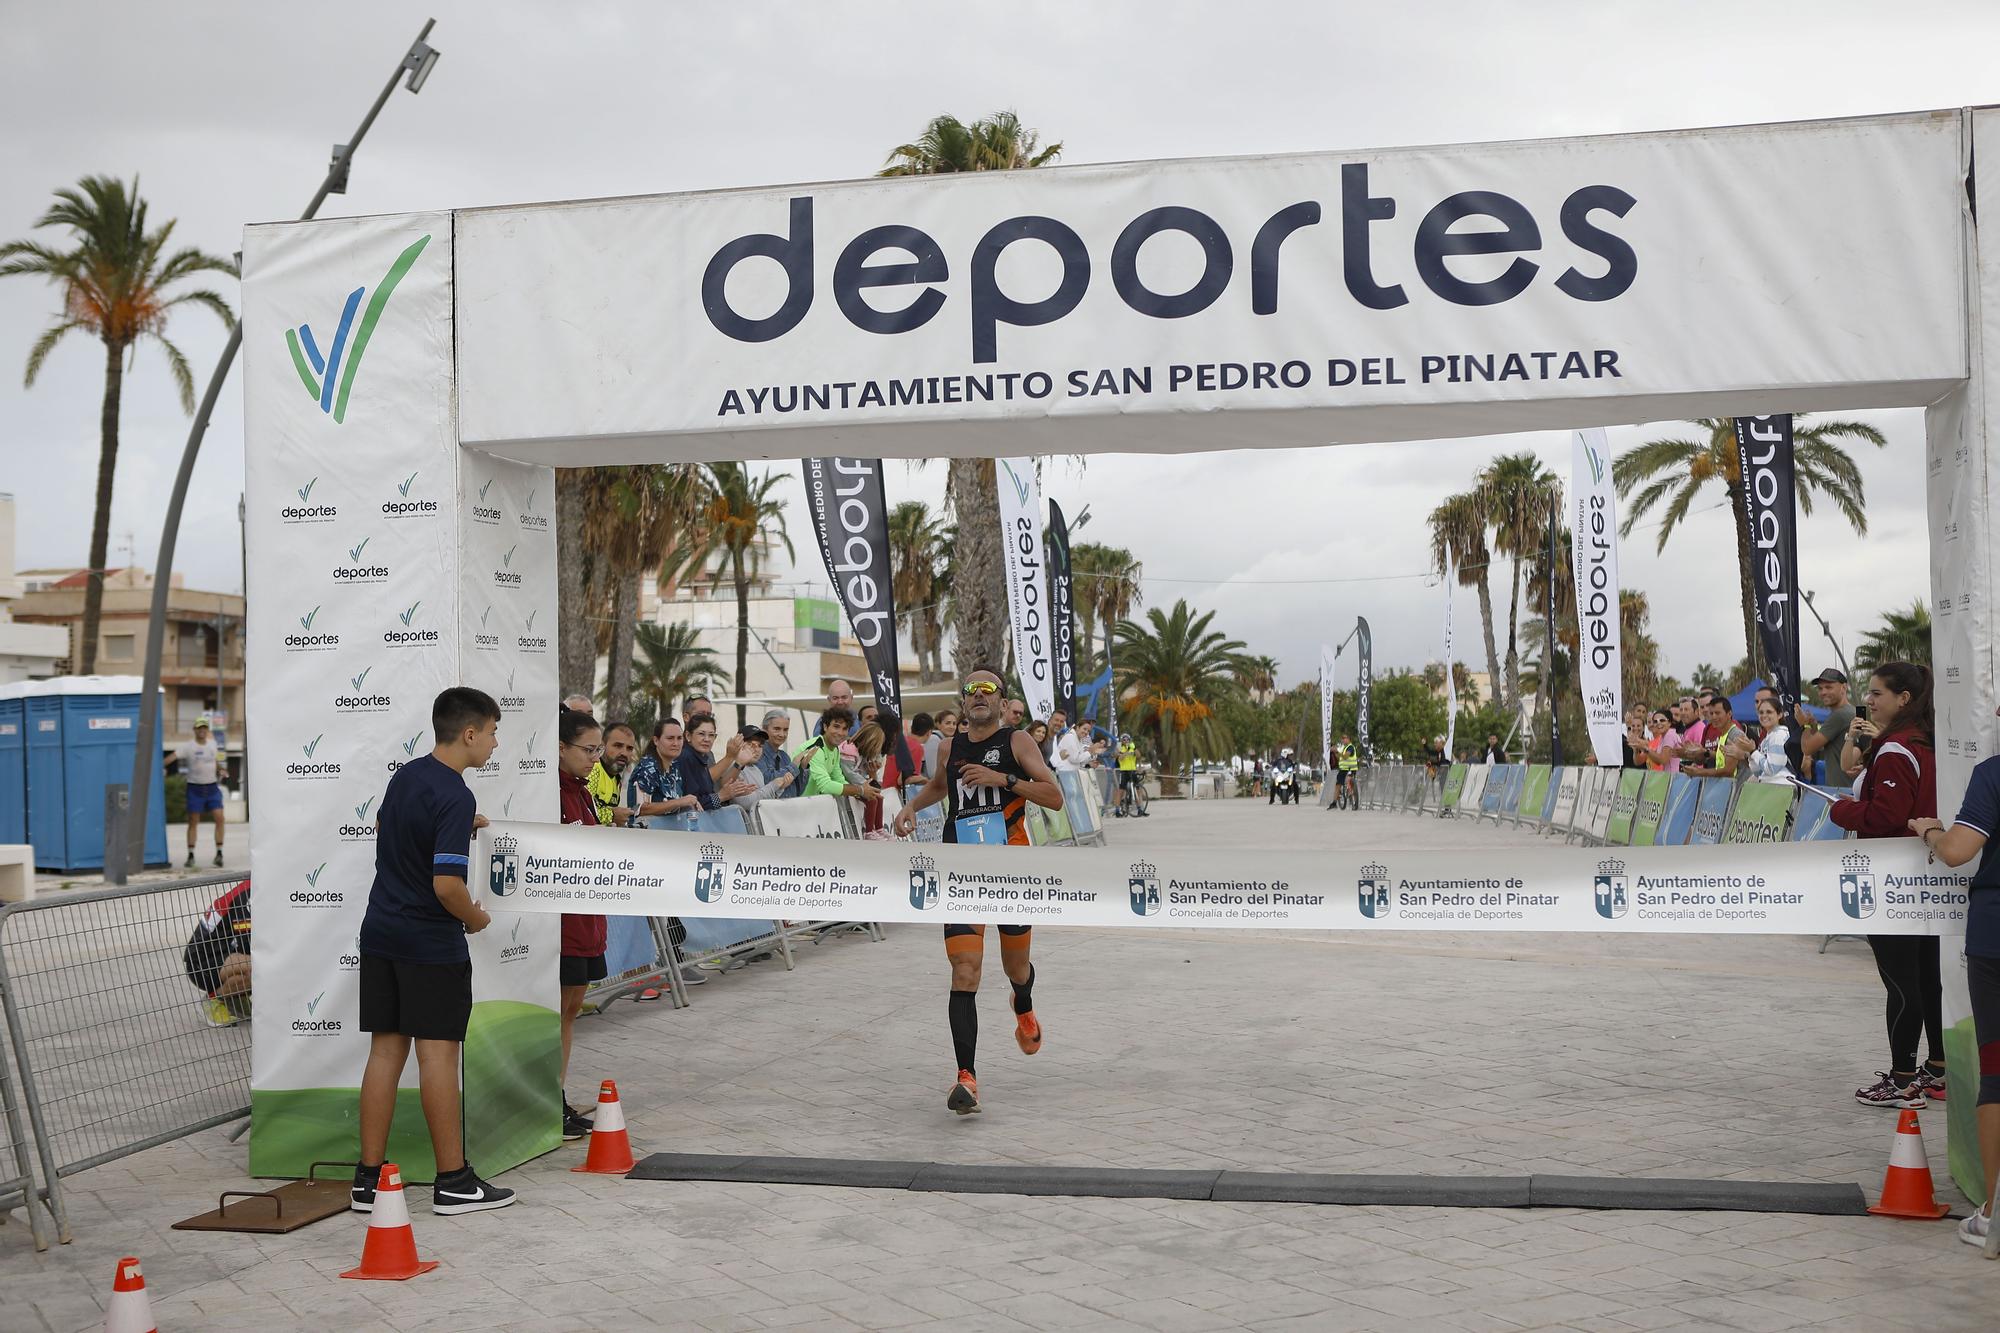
column 997, row 753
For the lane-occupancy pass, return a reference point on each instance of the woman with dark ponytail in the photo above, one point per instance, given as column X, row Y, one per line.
column 1899, row 784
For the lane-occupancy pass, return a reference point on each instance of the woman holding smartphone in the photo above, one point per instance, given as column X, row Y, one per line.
column 1898, row 784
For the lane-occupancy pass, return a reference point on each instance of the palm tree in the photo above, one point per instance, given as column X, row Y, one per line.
column 739, row 520
column 670, row 664
column 916, row 557
column 1258, row 676
column 114, row 282
column 1518, row 494
column 979, row 611
column 1108, row 585
column 633, row 517
column 1460, row 523
column 1674, row 471
column 1172, row 675
column 1905, row 636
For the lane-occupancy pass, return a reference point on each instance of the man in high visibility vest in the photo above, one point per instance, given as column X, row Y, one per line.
column 1348, row 761
column 1128, row 776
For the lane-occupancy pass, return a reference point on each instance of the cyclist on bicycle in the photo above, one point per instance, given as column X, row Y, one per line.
column 1129, row 791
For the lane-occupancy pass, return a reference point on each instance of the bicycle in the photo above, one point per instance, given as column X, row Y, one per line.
column 1132, row 798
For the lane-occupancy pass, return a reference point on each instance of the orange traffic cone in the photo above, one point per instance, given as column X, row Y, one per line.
column 1906, row 1188
column 131, row 1310
column 389, row 1254
column 610, row 1150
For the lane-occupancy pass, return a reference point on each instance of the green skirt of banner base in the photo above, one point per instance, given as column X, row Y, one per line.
column 1961, row 1059
column 291, row 1128
column 512, row 1105
column 513, row 1073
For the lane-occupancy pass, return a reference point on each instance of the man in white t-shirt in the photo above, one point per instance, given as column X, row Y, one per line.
column 202, row 764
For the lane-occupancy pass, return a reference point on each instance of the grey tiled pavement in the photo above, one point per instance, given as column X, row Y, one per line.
column 1472, row 1054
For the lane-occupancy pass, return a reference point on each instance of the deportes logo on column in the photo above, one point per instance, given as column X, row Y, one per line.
column 1610, row 893
column 531, row 520
column 362, row 827
column 1857, row 886
column 507, row 576
column 329, row 376
column 404, row 505
column 312, row 895
column 307, row 510
column 358, row 698
column 358, row 570
column 503, row 868
column 411, row 634
column 509, row 701
column 516, row 949
column 482, row 512
column 1144, row 883
column 529, row 641
column 711, row 876
column 310, row 637
column 311, row 1024
column 312, row 765
column 923, row 883
column 485, row 639
column 1372, row 891
column 529, row 762
column 409, row 747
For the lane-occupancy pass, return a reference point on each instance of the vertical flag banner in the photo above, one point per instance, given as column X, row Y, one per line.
column 1325, row 705
column 850, row 516
column 1593, row 522
column 1027, row 595
column 1062, row 621
column 1450, row 675
column 1770, row 502
column 1366, row 646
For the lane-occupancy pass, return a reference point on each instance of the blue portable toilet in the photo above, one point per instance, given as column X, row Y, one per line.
column 13, row 767
column 80, row 733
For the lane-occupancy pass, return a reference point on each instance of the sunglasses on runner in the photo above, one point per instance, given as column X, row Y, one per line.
column 973, row 687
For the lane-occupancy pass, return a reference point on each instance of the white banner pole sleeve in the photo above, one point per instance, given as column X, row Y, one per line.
column 1027, row 590
column 1593, row 523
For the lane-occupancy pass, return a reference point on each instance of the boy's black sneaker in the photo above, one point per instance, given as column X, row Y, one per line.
column 575, row 1125
column 465, row 1192
column 362, row 1199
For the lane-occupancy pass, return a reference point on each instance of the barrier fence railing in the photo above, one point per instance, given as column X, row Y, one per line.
column 113, row 1048
column 1608, row 807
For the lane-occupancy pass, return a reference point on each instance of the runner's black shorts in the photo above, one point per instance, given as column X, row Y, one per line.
column 582, row 971
column 427, row 1001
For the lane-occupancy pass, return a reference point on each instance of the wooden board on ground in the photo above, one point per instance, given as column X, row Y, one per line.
column 279, row 1211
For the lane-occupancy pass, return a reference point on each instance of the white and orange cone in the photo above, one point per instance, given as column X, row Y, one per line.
column 610, row 1149
column 131, row 1310
column 389, row 1254
column 1906, row 1187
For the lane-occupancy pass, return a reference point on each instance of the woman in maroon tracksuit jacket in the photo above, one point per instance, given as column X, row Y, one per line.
column 583, row 937
column 1900, row 784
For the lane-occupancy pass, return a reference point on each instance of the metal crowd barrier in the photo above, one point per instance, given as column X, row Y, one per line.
column 1608, row 807
column 112, row 1047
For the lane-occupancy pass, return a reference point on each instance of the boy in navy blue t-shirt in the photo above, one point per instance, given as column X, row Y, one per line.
column 416, row 972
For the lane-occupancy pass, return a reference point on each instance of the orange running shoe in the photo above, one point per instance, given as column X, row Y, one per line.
column 1027, row 1032
column 964, row 1096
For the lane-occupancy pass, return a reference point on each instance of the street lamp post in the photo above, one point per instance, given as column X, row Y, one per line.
column 1827, row 630
column 416, row 64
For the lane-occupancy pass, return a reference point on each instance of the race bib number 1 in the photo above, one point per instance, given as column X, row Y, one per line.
column 990, row 826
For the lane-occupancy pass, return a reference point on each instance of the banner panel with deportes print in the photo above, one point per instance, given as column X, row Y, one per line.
column 850, row 517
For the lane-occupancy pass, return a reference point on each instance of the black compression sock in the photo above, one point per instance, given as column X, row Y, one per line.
column 964, row 1027
column 1024, row 993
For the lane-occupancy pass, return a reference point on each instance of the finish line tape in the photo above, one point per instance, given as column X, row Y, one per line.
column 1878, row 887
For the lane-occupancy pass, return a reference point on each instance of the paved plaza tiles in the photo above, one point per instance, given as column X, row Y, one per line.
column 1731, row 1057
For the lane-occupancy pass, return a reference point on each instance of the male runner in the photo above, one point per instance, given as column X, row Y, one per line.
column 990, row 774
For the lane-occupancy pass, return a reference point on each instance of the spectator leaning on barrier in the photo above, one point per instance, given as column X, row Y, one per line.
column 939, row 742
column 869, row 741
column 656, row 779
column 1663, row 743
column 1899, row 784
column 820, row 757
column 609, row 780
column 1767, row 760
column 217, row 958
column 776, row 761
column 1058, row 727
column 1970, row 835
column 1827, row 740
column 751, row 744
column 583, row 936
column 416, row 972
column 698, row 766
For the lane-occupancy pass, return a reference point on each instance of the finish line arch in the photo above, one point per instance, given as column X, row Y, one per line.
column 411, row 381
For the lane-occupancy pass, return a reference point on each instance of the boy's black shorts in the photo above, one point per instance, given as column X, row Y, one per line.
column 427, row 1001
column 582, row 971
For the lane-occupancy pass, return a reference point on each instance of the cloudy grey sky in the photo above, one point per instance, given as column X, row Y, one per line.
column 227, row 111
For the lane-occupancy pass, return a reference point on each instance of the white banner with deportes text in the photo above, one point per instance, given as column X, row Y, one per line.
column 1027, row 587
column 1796, row 888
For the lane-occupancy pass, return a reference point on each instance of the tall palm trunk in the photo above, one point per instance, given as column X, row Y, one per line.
column 1493, row 675
column 624, row 631
column 576, row 638
column 1753, row 643
column 981, row 591
column 742, row 633
column 100, row 523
